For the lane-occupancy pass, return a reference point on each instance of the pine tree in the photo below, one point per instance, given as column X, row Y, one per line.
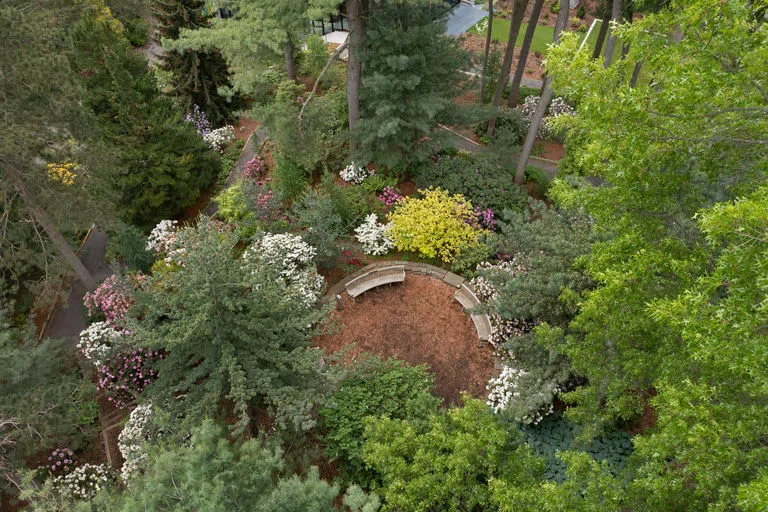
column 198, row 74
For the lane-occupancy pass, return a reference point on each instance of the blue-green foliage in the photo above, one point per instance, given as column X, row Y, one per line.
column 555, row 433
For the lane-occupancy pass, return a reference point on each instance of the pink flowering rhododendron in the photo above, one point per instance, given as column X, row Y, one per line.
column 124, row 376
column 61, row 461
column 389, row 196
column 255, row 168
column 113, row 298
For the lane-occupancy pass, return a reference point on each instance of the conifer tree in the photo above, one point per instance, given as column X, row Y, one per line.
column 198, row 74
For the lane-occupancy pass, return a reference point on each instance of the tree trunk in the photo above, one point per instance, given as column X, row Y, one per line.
column 290, row 64
column 538, row 116
column 636, row 74
column 514, row 29
column 611, row 43
column 487, row 50
column 356, row 24
column 61, row 245
column 514, row 92
column 601, row 34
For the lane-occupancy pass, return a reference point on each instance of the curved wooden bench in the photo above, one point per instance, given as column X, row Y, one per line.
column 375, row 278
column 467, row 298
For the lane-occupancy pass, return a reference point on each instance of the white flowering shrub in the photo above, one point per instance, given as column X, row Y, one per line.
column 503, row 328
column 374, row 236
column 131, row 442
column 83, row 482
column 293, row 259
column 355, row 174
column 504, row 394
column 162, row 239
column 98, row 340
column 557, row 107
column 219, row 138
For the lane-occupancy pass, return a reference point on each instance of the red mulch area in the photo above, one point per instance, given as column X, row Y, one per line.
column 475, row 44
column 417, row 321
column 243, row 128
column 549, row 149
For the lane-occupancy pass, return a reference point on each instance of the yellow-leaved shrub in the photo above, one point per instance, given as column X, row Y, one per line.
column 436, row 225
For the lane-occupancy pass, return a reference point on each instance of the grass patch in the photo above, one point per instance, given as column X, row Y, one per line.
column 542, row 36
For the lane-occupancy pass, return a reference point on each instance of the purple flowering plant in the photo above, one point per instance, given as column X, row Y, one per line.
column 255, row 168
column 61, row 461
column 199, row 119
column 124, row 376
column 389, row 196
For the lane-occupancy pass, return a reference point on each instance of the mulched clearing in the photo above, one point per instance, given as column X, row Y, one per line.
column 418, row 321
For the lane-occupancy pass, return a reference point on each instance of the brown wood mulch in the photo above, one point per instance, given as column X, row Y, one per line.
column 417, row 321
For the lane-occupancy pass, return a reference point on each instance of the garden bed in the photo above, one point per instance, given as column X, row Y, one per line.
column 419, row 322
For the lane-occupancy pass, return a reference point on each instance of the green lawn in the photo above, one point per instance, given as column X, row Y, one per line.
column 541, row 37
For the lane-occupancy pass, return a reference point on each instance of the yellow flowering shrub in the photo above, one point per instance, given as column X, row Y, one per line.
column 63, row 173
column 436, row 225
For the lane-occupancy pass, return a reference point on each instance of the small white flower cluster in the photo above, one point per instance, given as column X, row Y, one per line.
column 97, row 341
column 83, row 482
column 374, row 237
column 486, row 291
column 293, row 258
column 557, row 107
column 130, row 442
column 219, row 138
column 164, row 240
column 504, row 393
column 355, row 174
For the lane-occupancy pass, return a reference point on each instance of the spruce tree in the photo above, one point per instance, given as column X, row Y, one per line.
column 197, row 74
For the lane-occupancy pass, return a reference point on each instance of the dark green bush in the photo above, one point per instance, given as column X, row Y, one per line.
column 373, row 387
column 322, row 225
column 480, row 178
column 128, row 245
column 137, row 32
column 351, row 204
column 511, row 128
column 469, row 257
column 555, row 7
column 377, row 182
column 290, row 178
column 581, row 12
column 540, row 177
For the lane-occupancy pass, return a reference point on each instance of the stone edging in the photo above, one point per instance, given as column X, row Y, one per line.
column 424, row 269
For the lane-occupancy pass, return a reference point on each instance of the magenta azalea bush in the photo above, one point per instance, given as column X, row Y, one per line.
column 389, row 196
column 61, row 461
column 486, row 218
column 111, row 299
column 255, row 168
column 124, row 376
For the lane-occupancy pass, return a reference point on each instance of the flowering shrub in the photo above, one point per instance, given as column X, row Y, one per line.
column 255, row 168
column 61, row 461
column 98, row 340
column 355, row 174
column 437, row 225
column 125, row 375
column 557, row 107
column 374, row 236
column 503, row 328
column 63, row 173
column 504, row 395
column 83, row 482
column 486, row 218
column 162, row 238
column 199, row 119
column 219, row 138
column 293, row 259
column 131, row 440
column 113, row 298
column 390, row 196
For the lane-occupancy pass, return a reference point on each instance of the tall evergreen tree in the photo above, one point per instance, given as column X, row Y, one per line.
column 164, row 163
column 410, row 80
column 198, row 74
